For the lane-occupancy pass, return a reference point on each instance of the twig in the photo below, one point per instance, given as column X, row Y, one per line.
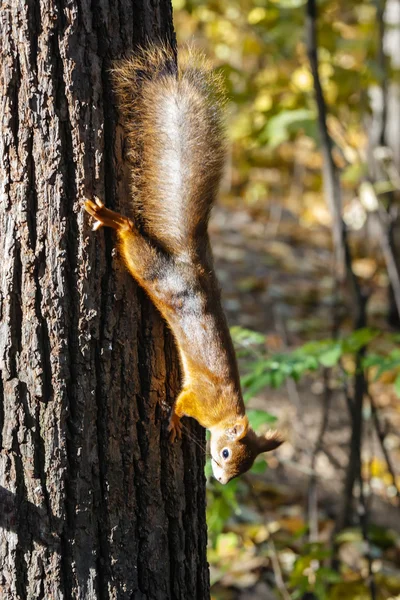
column 274, row 221
column 312, row 489
column 280, row 584
column 332, row 459
column 354, row 467
column 303, row 469
column 383, row 222
column 343, row 267
column 363, row 516
column 345, row 388
column 305, row 438
column 290, row 383
column 386, row 240
column 343, row 256
column 344, row 270
column 382, row 63
column 331, row 182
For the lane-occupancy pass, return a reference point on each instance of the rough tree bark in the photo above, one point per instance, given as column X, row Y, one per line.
column 94, row 502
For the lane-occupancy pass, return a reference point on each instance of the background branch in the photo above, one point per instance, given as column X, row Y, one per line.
column 344, row 274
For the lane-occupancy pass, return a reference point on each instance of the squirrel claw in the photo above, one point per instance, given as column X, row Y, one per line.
column 174, row 428
column 104, row 217
column 97, row 225
column 92, row 208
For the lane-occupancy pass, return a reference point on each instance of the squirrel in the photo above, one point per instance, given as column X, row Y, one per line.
column 176, row 149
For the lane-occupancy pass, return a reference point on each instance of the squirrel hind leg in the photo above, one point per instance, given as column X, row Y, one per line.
column 174, row 427
column 144, row 261
column 104, row 217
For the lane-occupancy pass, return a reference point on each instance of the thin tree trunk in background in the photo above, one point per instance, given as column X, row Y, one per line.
column 94, row 501
column 343, row 269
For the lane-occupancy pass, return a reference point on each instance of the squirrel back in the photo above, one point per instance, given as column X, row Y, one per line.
column 173, row 123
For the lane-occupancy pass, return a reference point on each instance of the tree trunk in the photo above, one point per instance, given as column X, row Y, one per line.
column 94, row 501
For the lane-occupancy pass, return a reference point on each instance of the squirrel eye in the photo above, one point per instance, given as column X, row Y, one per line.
column 225, row 453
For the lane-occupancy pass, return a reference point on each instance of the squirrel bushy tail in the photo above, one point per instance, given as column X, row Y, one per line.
column 176, row 143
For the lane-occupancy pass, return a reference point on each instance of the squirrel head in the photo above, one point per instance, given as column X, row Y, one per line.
column 235, row 447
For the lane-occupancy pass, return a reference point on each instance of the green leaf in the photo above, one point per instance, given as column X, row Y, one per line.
column 280, row 127
column 353, row 535
column 329, row 575
column 350, row 590
column 358, row 339
column 259, row 417
column 320, row 590
column 389, row 363
column 397, row 386
column 331, row 357
column 277, row 378
column 228, row 540
column 292, row 3
column 354, row 173
column 382, row 537
column 316, row 550
column 257, row 383
column 372, row 360
column 246, row 336
column 208, row 469
column 259, row 467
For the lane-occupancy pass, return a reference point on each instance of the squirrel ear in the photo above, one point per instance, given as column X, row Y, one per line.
column 239, row 429
column 271, row 440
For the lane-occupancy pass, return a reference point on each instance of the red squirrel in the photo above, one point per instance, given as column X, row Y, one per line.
column 176, row 149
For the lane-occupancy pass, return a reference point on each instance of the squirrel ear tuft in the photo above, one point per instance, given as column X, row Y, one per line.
column 271, row 440
column 239, row 429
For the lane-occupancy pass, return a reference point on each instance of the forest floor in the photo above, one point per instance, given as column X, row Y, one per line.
column 275, row 277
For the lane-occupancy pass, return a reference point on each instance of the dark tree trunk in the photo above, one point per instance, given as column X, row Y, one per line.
column 94, row 502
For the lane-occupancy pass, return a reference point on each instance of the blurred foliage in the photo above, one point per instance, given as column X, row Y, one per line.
column 231, row 516
column 259, row 47
column 273, row 370
column 275, row 160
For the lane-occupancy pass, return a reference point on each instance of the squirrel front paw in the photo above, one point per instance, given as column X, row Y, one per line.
column 174, row 428
column 104, row 217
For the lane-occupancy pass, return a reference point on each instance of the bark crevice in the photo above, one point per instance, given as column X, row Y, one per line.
column 15, row 312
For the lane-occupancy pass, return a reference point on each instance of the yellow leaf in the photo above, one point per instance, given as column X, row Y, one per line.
column 292, row 524
column 302, row 79
column 256, row 15
column 377, row 467
column 356, row 590
column 364, row 267
column 227, row 544
column 263, row 101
